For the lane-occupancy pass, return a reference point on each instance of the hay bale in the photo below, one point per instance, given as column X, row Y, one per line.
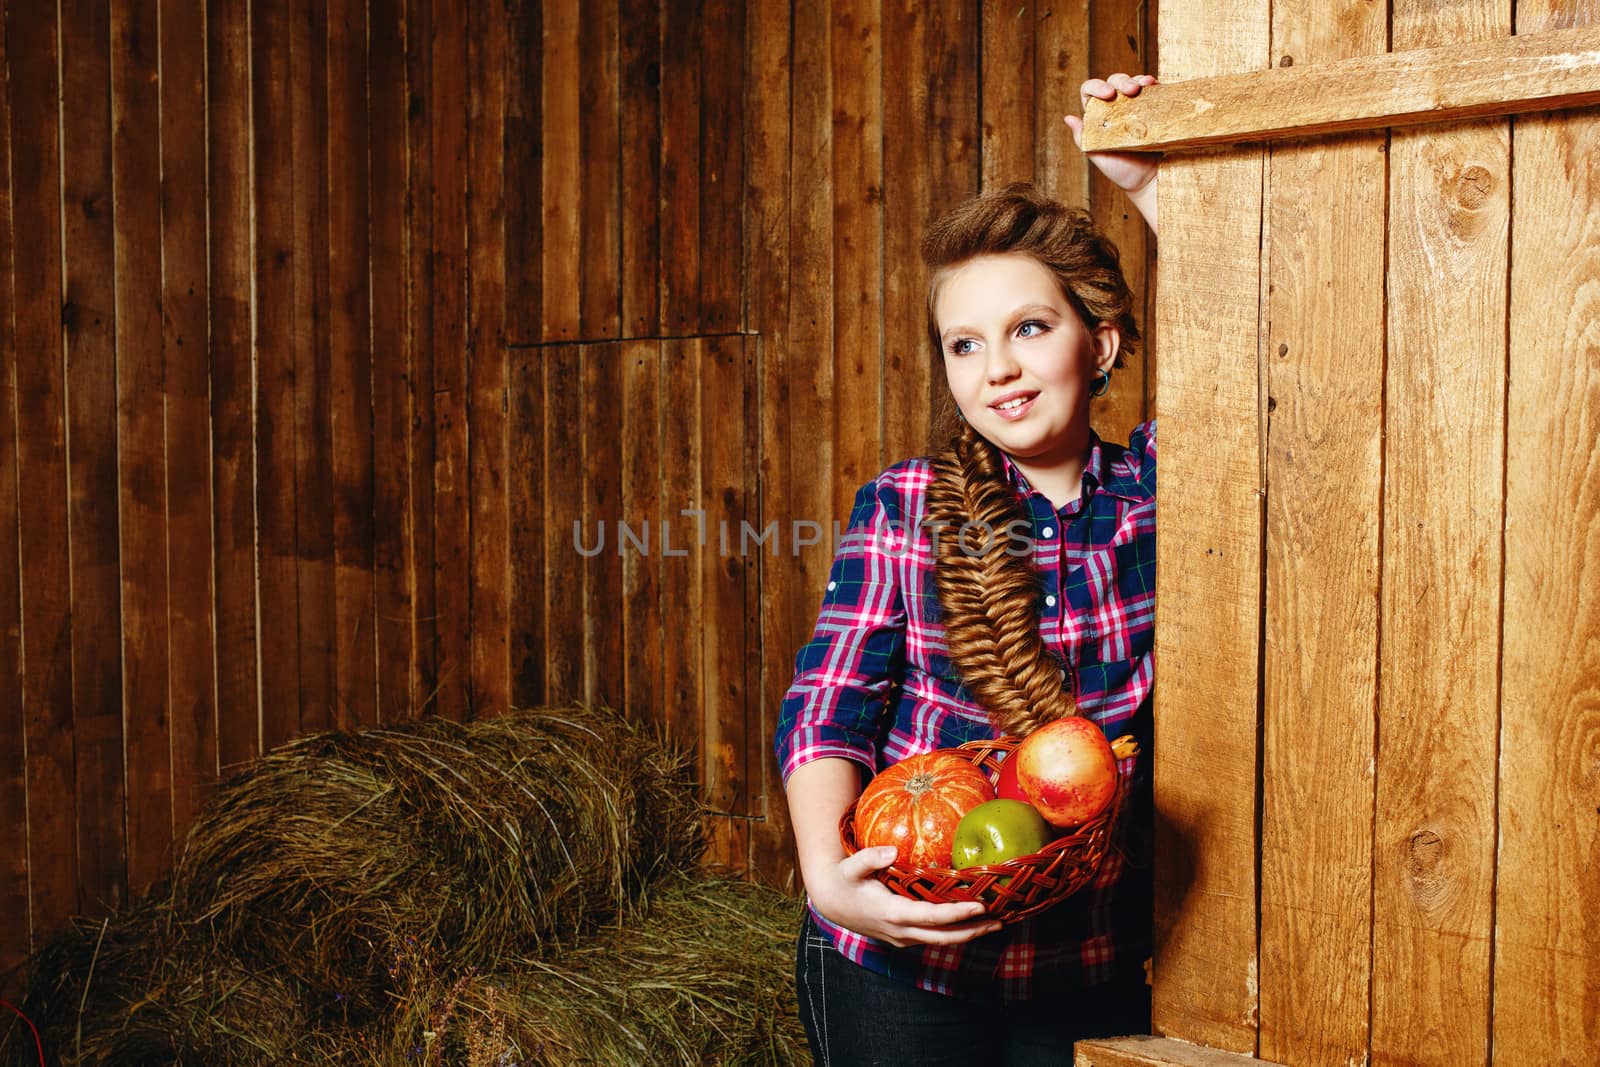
column 493, row 840
column 703, row 977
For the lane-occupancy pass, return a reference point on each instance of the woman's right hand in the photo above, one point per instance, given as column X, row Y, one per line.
column 1132, row 172
column 846, row 894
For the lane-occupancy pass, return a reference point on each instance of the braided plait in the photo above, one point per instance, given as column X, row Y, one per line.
column 989, row 590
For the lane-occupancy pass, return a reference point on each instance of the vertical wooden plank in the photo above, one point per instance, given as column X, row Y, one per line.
column 766, row 271
column 489, row 367
column 140, row 435
column 1116, row 43
column 1008, row 92
column 1324, row 382
column 316, row 599
column 600, row 229
column 564, row 479
column 1547, row 917
column 15, row 939
column 682, row 29
column 561, row 188
column 524, row 171
column 723, row 729
column 643, row 626
column 89, row 318
column 1210, row 557
column 452, row 573
column 603, row 460
column 185, row 292
column 1066, row 33
column 41, row 435
column 394, row 579
column 722, row 75
column 640, row 108
column 423, row 112
column 527, row 526
column 857, row 49
column 229, row 134
column 1450, row 189
column 271, row 126
column 350, row 362
column 683, row 540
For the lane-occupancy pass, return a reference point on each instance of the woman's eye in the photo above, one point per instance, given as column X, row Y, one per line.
column 962, row 347
column 1031, row 328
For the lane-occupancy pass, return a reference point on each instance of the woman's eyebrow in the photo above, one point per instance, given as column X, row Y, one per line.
column 1021, row 312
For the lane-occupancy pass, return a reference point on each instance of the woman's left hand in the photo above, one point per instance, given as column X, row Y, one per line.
column 1132, row 172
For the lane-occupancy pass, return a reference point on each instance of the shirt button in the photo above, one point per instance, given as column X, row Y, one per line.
column 832, row 586
column 1050, row 601
column 1048, row 531
column 1063, row 675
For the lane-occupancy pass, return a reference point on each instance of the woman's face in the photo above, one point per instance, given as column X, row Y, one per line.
column 1018, row 358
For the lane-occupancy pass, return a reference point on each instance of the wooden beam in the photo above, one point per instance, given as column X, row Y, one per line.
column 1510, row 75
column 1145, row 1051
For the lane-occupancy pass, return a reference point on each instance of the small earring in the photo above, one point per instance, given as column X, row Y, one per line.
column 1102, row 382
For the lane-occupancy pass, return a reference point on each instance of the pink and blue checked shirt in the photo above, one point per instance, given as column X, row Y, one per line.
column 875, row 685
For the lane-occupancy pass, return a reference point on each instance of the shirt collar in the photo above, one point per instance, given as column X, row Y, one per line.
column 1107, row 469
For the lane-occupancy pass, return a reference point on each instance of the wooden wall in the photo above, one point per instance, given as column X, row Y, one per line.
column 324, row 321
column 1378, row 624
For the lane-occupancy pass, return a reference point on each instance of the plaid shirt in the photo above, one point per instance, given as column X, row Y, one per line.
column 875, row 685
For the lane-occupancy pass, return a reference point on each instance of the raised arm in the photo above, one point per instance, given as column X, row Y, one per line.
column 1132, row 172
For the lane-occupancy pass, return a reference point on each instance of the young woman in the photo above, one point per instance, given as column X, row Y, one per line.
column 927, row 639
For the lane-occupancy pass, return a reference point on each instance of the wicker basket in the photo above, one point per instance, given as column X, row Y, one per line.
column 1018, row 888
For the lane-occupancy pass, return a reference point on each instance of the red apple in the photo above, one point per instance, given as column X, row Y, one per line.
column 1005, row 786
column 1067, row 770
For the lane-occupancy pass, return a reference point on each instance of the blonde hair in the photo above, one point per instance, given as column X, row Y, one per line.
column 989, row 596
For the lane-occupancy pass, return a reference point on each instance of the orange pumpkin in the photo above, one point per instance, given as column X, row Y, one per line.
column 916, row 805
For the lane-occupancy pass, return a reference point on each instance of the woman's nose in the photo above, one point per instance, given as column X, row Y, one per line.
column 1001, row 366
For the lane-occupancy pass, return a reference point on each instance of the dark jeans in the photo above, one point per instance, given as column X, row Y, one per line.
column 854, row 1016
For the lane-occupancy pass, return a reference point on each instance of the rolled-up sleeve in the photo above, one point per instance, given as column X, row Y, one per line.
column 847, row 675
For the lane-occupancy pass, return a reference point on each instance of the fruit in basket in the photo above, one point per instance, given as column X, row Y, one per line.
column 999, row 830
column 916, row 805
column 1005, row 786
column 1067, row 770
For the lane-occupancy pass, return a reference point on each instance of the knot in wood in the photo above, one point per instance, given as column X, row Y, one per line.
column 1474, row 186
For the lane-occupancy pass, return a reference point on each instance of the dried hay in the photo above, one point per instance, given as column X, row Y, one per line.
column 343, row 894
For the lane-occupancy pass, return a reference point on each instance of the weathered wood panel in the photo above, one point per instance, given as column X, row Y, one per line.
column 1206, row 956
column 604, row 402
column 682, row 31
column 1547, row 916
column 598, row 262
column 561, row 169
column 1323, row 378
column 1009, row 134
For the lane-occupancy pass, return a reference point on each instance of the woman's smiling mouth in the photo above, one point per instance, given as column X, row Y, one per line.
column 1014, row 405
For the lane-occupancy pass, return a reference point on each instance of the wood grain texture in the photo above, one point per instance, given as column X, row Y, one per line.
column 683, row 541
column 15, row 928
column 488, row 363
column 1547, row 917
column 524, row 175
column 315, row 577
column 350, row 362
column 724, row 377
column 185, row 297
column 393, row 572
column 88, row 320
column 1323, row 373
column 271, row 126
column 1009, row 39
column 233, row 476
column 1502, row 76
column 599, row 252
column 1450, row 192
column 766, row 270
column 41, row 470
column 1209, row 626
column 452, row 534
column 722, row 107
column 1324, row 377
column 856, row 46
column 639, row 66
column 421, row 285
column 602, row 573
column 561, row 170
column 1065, row 39
column 526, row 490
column 563, row 523
column 639, row 546
column 682, row 31
column 141, row 502
column 1143, row 1051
